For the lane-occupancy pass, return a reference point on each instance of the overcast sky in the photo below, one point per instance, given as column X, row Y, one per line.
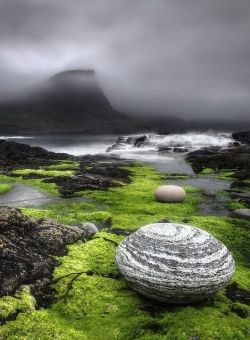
column 184, row 57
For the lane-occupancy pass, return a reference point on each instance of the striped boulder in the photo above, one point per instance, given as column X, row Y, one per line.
column 174, row 263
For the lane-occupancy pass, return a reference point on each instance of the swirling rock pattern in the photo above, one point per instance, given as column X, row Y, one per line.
column 174, row 263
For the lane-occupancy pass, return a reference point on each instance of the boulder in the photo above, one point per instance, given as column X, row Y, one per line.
column 242, row 213
column 89, row 229
column 242, row 137
column 174, row 263
column 170, row 194
column 165, row 149
column 28, row 246
column 123, row 141
column 180, row 149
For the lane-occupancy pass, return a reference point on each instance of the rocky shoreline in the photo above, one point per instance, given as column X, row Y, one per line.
column 29, row 247
column 234, row 159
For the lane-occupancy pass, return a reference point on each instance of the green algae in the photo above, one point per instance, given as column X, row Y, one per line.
column 5, row 188
column 225, row 175
column 207, row 171
column 63, row 165
column 72, row 214
column 65, row 168
column 236, row 204
column 43, row 172
column 133, row 206
column 22, row 301
column 98, row 307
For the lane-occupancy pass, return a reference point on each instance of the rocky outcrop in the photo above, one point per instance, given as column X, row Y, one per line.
column 123, row 141
column 27, row 246
column 234, row 158
column 242, row 213
column 97, row 172
column 174, row 263
column 242, row 137
column 17, row 155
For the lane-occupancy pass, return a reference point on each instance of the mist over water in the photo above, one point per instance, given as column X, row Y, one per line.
column 164, row 162
column 81, row 145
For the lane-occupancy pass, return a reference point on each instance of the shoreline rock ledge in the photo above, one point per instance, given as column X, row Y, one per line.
column 174, row 263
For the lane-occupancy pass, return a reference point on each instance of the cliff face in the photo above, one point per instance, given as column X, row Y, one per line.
column 72, row 102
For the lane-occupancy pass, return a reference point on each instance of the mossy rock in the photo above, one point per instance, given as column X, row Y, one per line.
column 102, row 306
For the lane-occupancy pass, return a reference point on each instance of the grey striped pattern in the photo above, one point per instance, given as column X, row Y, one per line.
column 174, row 263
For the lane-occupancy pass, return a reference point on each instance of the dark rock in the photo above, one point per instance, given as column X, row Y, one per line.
column 241, row 312
column 27, row 246
column 165, row 149
column 240, row 196
column 236, row 159
column 208, row 193
column 180, row 149
column 140, row 141
column 33, row 176
column 17, row 155
column 43, row 292
column 118, row 231
column 123, row 141
column 234, row 144
column 243, row 213
column 119, row 143
column 242, row 137
column 237, row 294
column 98, row 172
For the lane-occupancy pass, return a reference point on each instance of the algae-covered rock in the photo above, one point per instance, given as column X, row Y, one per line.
column 16, row 155
column 174, row 263
column 27, row 246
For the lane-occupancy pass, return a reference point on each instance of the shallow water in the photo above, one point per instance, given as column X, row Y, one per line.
column 22, row 195
column 214, row 202
column 171, row 163
column 25, row 196
column 204, row 183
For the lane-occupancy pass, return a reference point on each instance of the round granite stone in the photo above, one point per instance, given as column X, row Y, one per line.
column 170, row 194
column 89, row 228
column 174, row 263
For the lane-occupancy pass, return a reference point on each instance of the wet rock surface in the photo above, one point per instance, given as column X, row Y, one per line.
column 233, row 158
column 242, row 213
column 96, row 172
column 16, row 155
column 27, row 246
column 242, row 137
column 123, row 141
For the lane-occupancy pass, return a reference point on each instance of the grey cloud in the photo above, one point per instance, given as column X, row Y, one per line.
column 190, row 57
